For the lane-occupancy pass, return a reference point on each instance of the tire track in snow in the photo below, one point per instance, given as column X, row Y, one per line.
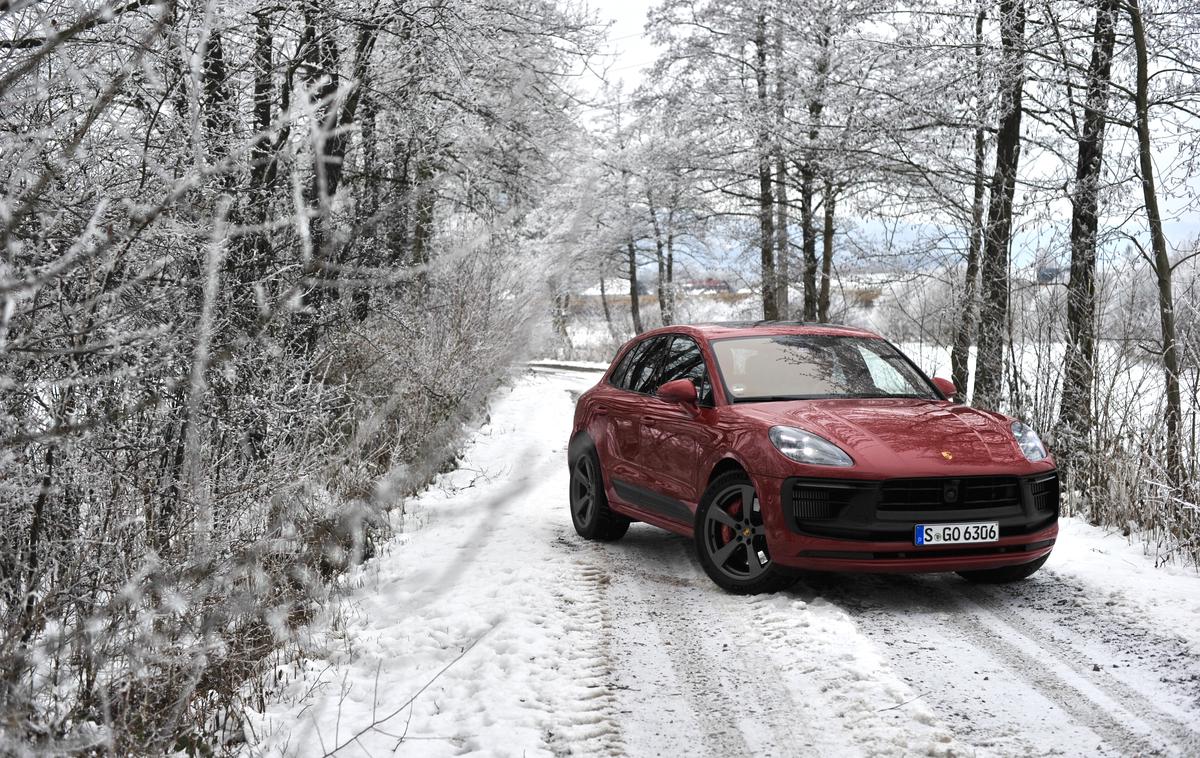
column 1136, row 704
column 699, row 682
column 1081, row 705
column 1101, row 628
column 593, row 727
column 763, row 676
column 1037, row 665
column 760, row 688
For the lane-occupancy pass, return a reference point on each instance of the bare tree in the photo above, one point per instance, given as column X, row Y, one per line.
column 994, row 269
column 1076, row 417
column 965, row 330
column 1161, row 261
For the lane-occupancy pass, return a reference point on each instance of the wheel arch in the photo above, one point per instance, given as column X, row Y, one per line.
column 724, row 466
column 580, row 444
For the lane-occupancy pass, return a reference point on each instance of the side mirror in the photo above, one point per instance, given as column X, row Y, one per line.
column 678, row 391
column 946, row 387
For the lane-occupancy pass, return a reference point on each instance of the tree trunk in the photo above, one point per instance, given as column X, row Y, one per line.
column 333, row 143
column 1075, row 417
column 635, row 309
column 809, row 172
column 782, row 241
column 670, row 312
column 1158, row 241
column 562, row 306
column 960, row 369
column 422, row 215
column 604, row 304
column 660, row 259
column 829, row 201
column 766, row 221
column 368, row 206
column 262, row 158
column 993, row 322
column 808, row 240
column 217, row 117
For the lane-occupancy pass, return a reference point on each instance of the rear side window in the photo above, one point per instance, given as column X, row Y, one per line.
column 620, row 375
column 643, row 371
column 640, row 365
column 685, row 361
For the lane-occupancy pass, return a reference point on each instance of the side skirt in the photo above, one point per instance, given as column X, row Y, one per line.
column 670, row 513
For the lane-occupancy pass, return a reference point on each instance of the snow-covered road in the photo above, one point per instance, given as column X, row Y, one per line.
column 489, row 627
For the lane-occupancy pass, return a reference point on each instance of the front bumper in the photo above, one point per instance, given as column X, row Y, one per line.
column 854, row 525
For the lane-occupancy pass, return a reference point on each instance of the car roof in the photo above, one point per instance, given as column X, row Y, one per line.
column 726, row 329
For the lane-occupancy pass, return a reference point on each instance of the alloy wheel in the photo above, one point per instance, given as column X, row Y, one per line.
column 734, row 534
column 583, row 490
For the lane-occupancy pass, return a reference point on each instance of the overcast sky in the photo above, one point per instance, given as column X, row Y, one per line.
column 628, row 51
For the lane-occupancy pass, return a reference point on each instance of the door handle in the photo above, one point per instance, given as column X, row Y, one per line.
column 649, row 420
column 601, row 410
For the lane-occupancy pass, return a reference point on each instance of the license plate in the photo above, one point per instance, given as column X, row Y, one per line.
column 956, row 534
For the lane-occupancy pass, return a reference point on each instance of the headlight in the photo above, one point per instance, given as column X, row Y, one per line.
column 806, row 447
column 1029, row 442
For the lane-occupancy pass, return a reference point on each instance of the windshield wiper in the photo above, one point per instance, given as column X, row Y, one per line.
column 886, row 396
column 775, row 398
column 835, row 396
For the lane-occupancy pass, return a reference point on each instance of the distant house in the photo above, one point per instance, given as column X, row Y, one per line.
column 711, row 285
column 1051, row 274
column 617, row 288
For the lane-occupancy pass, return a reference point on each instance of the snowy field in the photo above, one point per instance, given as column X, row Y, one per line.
column 488, row 627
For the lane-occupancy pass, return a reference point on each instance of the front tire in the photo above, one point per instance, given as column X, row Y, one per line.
column 590, row 514
column 731, row 539
column 1005, row 574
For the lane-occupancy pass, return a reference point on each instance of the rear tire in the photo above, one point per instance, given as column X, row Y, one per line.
column 590, row 514
column 1005, row 574
column 731, row 540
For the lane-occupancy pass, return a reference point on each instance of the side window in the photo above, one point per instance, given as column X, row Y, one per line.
column 685, row 361
column 620, row 376
column 644, row 369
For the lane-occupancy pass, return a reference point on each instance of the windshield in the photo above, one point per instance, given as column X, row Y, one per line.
column 805, row 366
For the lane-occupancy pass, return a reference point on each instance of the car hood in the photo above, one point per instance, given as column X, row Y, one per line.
column 901, row 436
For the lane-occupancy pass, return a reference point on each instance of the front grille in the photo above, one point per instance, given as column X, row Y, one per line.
column 949, row 494
column 1045, row 493
column 814, row 501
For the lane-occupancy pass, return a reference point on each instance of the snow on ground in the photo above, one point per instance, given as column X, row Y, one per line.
column 488, row 627
column 1169, row 594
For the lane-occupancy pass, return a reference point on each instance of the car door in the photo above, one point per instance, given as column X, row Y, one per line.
column 624, row 405
column 675, row 436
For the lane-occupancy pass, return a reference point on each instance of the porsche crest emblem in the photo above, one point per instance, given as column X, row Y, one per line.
column 947, row 455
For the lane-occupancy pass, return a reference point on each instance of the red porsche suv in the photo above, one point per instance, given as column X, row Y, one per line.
column 782, row 446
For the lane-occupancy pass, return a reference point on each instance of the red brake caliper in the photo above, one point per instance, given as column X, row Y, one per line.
column 734, row 510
